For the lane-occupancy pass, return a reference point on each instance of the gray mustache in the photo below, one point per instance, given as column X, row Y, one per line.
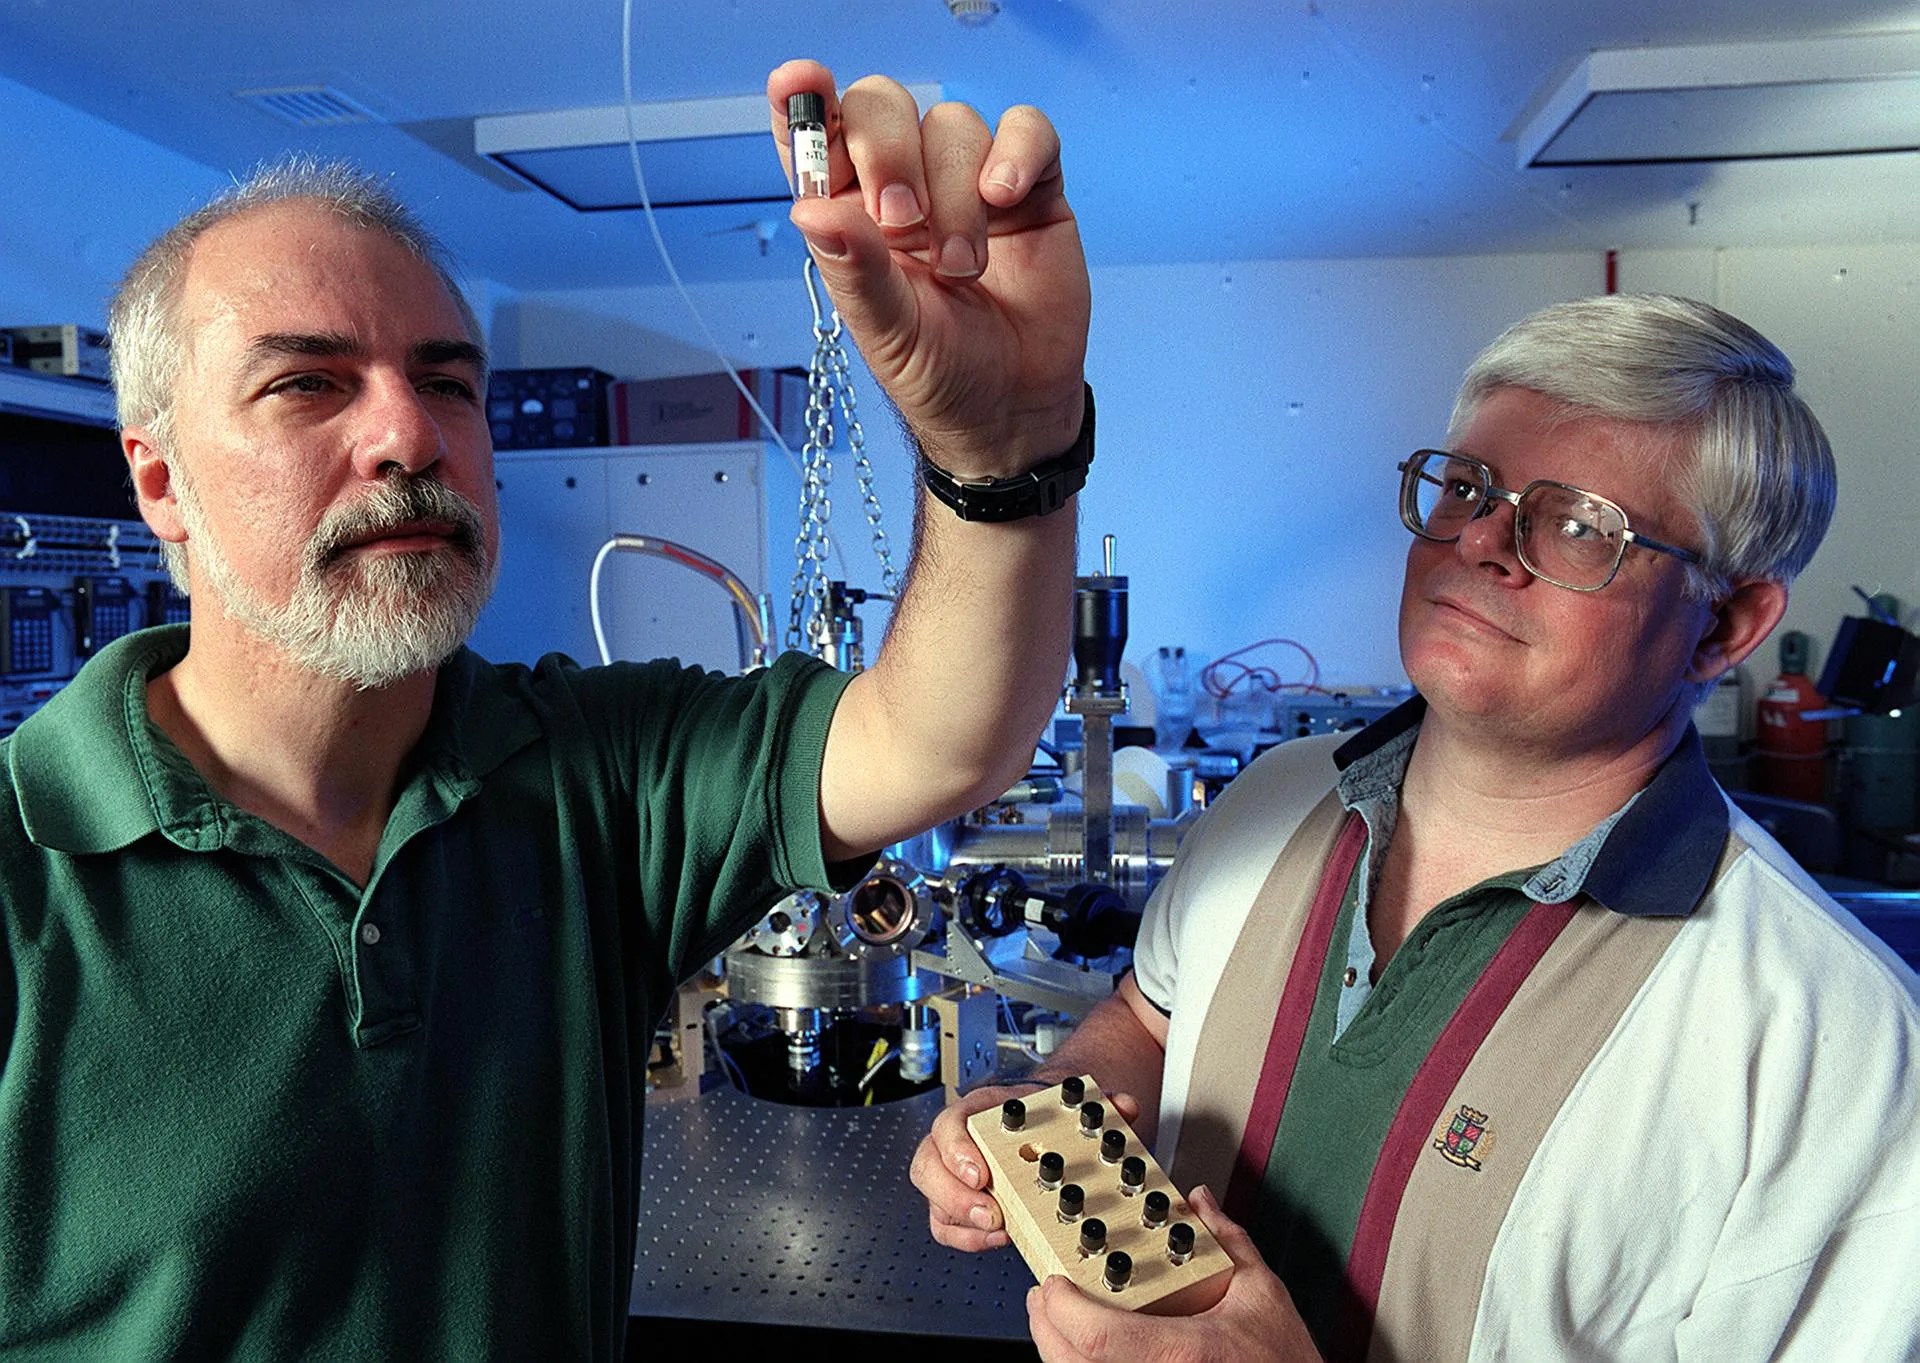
column 400, row 500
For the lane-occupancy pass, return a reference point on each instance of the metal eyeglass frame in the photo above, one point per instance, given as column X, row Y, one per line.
column 1409, row 516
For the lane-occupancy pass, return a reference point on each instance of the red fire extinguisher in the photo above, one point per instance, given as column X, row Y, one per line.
column 1790, row 758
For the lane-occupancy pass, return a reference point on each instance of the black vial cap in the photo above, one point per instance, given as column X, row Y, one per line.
column 1180, row 1238
column 1072, row 1091
column 1093, row 1235
column 1013, row 1115
column 1119, row 1269
column 1133, row 1173
column 1052, row 1165
column 806, row 107
column 1155, row 1212
column 1113, row 1144
column 1092, row 1118
column 1073, row 1198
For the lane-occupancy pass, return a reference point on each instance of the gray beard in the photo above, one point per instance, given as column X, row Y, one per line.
column 367, row 621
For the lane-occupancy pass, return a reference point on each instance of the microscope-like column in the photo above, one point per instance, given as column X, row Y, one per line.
column 1097, row 694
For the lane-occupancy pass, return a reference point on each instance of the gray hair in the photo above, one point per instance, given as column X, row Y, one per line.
column 1761, row 482
column 143, row 318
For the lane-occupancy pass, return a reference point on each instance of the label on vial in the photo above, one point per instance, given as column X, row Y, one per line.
column 810, row 180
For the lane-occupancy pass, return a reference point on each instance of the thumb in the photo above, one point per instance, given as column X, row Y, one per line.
column 1126, row 1105
column 1227, row 1233
column 857, row 266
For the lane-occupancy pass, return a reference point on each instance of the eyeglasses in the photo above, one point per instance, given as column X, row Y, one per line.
column 1563, row 534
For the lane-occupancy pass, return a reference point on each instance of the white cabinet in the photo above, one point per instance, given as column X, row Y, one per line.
column 736, row 503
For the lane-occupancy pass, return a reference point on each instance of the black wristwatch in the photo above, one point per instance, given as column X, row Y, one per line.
column 1040, row 491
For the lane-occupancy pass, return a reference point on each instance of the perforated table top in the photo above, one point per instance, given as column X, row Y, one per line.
column 763, row 1212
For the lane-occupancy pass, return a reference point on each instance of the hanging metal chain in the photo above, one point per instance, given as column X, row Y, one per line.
column 829, row 379
column 812, row 543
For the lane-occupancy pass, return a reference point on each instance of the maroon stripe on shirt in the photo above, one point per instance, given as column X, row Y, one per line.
column 1290, row 1021
column 1433, row 1084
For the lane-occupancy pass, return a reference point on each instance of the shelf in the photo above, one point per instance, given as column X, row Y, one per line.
column 55, row 397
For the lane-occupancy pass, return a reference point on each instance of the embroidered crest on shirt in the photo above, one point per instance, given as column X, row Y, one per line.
column 1464, row 1140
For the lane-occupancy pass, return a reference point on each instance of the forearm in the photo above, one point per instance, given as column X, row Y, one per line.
column 970, row 670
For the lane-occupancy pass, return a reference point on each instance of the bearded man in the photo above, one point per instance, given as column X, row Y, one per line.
column 330, row 953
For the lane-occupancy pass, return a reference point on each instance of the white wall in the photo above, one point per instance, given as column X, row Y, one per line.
column 78, row 200
column 1251, row 414
column 1849, row 318
column 1250, row 418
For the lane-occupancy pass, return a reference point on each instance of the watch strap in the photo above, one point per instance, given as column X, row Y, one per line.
column 1040, row 491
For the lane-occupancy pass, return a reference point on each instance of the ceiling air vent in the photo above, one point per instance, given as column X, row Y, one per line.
column 308, row 106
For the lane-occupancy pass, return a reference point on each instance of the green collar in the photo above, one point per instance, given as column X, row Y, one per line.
column 93, row 773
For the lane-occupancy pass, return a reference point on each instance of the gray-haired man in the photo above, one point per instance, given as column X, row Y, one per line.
column 330, row 954
column 1500, row 1030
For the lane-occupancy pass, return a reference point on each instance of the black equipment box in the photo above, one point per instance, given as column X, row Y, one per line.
column 532, row 409
column 26, row 630
column 1873, row 665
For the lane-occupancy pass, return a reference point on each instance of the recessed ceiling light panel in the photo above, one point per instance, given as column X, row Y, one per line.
column 1729, row 102
column 694, row 152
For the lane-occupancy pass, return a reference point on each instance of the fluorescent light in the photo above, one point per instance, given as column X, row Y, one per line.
column 693, row 151
column 1728, row 102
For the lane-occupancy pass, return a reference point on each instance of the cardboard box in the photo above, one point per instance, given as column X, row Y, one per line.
column 701, row 409
column 71, row 350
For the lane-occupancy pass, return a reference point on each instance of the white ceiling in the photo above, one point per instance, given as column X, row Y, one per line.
column 1239, row 129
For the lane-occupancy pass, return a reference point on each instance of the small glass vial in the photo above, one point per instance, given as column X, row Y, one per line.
column 1154, row 1210
column 1133, row 1176
column 1013, row 1115
column 1073, row 1200
column 1093, row 1237
column 807, row 130
column 1113, row 1144
column 1053, row 1167
column 1119, row 1271
column 1092, row 1118
column 1072, row 1091
column 1179, row 1243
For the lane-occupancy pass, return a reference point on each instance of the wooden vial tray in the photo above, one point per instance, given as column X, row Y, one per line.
column 1157, row 1285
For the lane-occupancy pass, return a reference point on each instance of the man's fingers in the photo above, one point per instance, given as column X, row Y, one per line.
column 967, row 1239
column 954, row 143
column 1126, row 1105
column 1053, row 1345
column 1025, row 156
column 881, row 126
column 1093, row 1330
column 950, row 1199
column 868, row 287
column 1226, row 1232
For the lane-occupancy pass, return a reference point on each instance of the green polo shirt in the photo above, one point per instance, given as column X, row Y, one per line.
column 249, row 1109
column 1348, row 1085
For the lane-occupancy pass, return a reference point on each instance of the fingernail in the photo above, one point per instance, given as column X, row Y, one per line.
column 1004, row 175
column 826, row 245
column 957, row 260
column 898, row 207
column 970, row 1174
column 981, row 1217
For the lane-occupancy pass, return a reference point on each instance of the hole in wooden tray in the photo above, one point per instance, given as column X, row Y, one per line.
column 1030, row 1152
